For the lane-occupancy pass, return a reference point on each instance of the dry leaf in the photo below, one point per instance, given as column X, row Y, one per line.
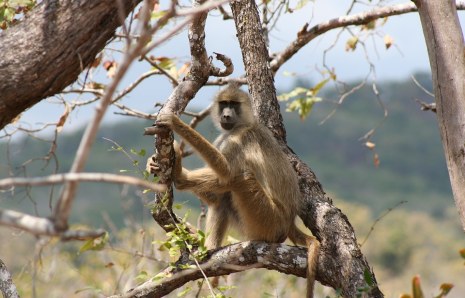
column 62, row 120
column 97, row 61
column 370, row 145
column 110, row 67
column 376, row 160
column 388, row 41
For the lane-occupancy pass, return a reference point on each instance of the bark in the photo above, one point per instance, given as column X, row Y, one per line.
column 445, row 43
column 341, row 264
column 7, row 287
column 47, row 51
column 226, row 260
column 198, row 75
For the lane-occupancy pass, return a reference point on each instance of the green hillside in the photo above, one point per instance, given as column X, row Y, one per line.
column 412, row 166
column 412, row 169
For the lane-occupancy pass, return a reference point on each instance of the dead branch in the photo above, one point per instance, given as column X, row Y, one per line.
column 64, row 204
column 43, row 226
column 305, row 35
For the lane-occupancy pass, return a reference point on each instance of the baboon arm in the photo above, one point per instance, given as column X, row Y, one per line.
column 212, row 156
column 200, row 181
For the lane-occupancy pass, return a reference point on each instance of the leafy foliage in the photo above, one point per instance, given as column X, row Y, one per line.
column 11, row 11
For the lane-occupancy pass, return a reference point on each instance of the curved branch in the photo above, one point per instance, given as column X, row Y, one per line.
column 48, row 50
column 217, row 72
column 176, row 103
column 226, row 260
column 304, row 36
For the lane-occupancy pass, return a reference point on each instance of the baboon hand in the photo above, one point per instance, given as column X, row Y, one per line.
column 152, row 166
column 166, row 120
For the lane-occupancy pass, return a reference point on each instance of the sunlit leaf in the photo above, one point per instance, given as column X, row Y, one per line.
column 141, row 277
column 388, row 41
column 301, row 4
column 318, row 86
column 184, row 292
column 95, row 244
column 351, row 43
column 370, row 145
column 156, row 15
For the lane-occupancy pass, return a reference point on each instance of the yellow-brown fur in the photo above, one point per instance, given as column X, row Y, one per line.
column 248, row 182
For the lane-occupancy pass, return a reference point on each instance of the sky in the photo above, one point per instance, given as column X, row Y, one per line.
column 407, row 56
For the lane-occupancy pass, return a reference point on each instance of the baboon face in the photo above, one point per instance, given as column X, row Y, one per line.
column 229, row 113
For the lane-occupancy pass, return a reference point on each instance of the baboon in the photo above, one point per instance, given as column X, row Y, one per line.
column 247, row 182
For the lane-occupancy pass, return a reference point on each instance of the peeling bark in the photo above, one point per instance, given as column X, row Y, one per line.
column 7, row 287
column 47, row 51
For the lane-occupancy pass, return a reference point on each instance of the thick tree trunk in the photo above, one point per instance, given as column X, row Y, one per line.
column 341, row 264
column 445, row 43
column 49, row 49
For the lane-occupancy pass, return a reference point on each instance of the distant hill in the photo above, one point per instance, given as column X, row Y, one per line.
column 412, row 165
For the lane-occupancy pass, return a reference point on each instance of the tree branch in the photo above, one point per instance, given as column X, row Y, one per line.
column 201, row 69
column 7, row 287
column 87, row 177
column 33, row 67
column 445, row 43
column 64, row 204
column 305, row 35
column 43, row 226
column 341, row 264
column 226, row 260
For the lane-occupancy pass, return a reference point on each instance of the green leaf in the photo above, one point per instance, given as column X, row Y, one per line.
column 158, row 14
column 351, row 43
column 301, row 4
column 368, row 277
column 159, row 276
column 185, row 291
column 96, row 243
column 318, row 86
column 141, row 277
column 140, row 153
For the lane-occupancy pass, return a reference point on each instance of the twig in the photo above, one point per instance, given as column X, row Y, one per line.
column 306, row 35
column 63, row 207
column 372, row 228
